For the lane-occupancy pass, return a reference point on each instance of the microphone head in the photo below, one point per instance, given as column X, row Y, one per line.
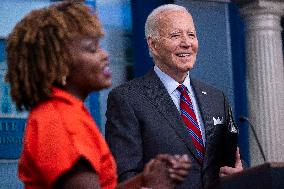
column 243, row 118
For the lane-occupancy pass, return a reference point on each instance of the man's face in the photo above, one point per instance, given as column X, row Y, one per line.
column 175, row 50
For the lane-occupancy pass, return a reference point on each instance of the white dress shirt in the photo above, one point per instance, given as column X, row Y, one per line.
column 171, row 86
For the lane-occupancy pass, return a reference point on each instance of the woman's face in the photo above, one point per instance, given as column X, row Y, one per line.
column 90, row 69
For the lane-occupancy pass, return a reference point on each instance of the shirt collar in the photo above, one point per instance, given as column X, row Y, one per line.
column 64, row 95
column 169, row 83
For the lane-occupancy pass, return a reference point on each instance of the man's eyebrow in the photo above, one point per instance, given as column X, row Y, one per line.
column 175, row 31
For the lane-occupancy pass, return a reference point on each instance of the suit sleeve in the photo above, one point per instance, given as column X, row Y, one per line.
column 231, row 136
column 123, row 135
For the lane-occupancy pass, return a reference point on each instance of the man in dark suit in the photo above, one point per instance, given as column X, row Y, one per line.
column 166, row 111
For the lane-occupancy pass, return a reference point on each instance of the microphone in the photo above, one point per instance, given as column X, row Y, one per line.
column 245, row 119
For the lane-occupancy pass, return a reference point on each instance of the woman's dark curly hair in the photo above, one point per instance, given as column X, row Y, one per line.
column 37, row 49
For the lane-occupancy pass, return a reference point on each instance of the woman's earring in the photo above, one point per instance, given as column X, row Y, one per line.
column 64, row 80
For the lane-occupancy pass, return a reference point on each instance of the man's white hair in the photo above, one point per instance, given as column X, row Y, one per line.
column 151, row 25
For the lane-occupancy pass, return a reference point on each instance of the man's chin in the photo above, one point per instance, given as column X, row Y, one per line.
column 187, row 68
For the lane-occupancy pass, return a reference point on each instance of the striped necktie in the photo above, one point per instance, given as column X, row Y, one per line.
column 189, row 117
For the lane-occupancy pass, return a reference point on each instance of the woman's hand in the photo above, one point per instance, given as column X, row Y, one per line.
column 165, row 171
column 179, row 167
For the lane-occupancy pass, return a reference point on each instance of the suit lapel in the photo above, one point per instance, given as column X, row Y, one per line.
column 204, row 100
column 157, row 93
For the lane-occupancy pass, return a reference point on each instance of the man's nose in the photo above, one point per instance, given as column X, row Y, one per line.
column 186, row 41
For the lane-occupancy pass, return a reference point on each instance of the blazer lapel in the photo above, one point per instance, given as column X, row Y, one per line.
column 156, row 91
column 204, row 100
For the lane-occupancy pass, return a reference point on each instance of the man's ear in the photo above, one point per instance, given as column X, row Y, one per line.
column 152, row 44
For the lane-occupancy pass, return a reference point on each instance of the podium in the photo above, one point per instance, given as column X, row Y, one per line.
column 265, row 176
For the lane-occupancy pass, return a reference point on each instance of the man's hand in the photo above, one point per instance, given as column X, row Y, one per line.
column 225, row 171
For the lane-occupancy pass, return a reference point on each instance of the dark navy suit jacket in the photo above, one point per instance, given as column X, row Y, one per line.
column 143, row 121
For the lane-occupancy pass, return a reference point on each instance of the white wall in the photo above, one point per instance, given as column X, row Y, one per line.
column 115, row 16
column 11, row 11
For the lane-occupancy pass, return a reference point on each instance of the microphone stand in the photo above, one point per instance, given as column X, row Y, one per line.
column 244, row 119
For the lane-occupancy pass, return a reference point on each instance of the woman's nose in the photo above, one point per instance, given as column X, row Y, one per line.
column 104, row 53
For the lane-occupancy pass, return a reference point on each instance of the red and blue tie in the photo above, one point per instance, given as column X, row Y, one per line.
column 189, row 117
